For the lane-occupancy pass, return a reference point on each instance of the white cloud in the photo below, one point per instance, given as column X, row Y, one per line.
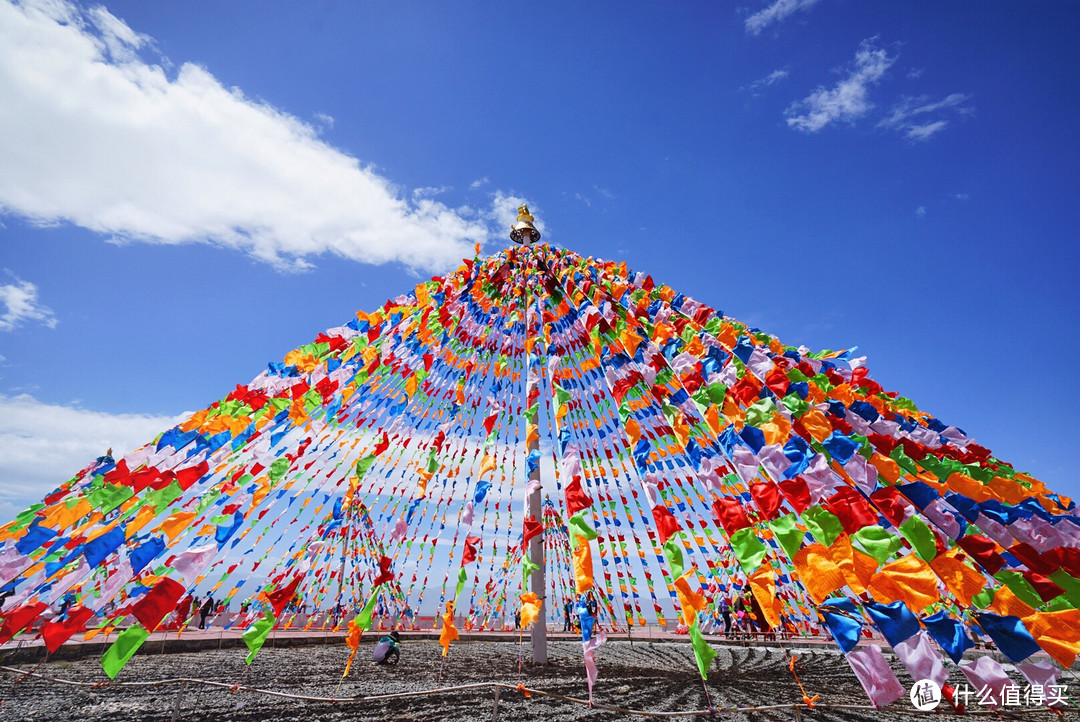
column 910, row 115
column 849, row 100
column 429, row 191
column 774, row 13
column 922, row 132
column 91, row 134
column 476, row 184
column 19, row 303
column 771, row 79
column 43, row 445
column 920, row 211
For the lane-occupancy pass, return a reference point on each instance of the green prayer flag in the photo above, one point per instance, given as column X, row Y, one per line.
column 795, row 404
column 527, row 568
column 122, row 650
column 109, row 496
column 673, row 554
column 983, row 599
column 760, row 412
column 278, row 469
column 562, row 396
column 461, row 577
column 920, row 537
column 161, row 498
column 363, row 619
column 822, row 524
column 580, row 527
column 1020, row 587
column 255, row 635
column 787, row 534
column 877, row 542
column 363, row 465
column 904, row 460
column 703, row 653
column 749, row 550
column 1069, row 583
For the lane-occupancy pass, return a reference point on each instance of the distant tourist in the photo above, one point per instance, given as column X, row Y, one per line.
column 204, row 611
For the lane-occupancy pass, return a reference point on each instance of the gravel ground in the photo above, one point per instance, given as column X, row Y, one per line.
column 654, row 676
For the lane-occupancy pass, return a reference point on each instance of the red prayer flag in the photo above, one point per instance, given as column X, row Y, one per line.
column 56, row 632
column 893, row 506
column 189, row 476
column 530, row 528
column 576, row 498
column 851, row 509
column 731, row 514
column 280, row 597
column 983, row 551
column 159, row 601
column 797, row 493
column 666, row 524
column 469, row 555
column 19, row 618
column 767, row 496
column 385, row 575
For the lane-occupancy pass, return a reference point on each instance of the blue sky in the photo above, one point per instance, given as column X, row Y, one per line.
column 188, row 191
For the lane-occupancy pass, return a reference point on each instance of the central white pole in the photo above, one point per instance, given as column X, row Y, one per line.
column 538, row 578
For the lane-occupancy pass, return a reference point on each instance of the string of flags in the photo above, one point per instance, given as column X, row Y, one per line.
column 687, row 461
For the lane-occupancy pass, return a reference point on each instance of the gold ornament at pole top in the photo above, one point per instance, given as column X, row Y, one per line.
column 523, row 231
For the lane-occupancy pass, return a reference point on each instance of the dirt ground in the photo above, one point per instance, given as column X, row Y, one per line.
column 653, row 676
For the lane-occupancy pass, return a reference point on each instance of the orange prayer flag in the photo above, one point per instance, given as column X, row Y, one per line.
column 908, row 579
column 858, row 568
column 176, row 523
column 530, row 608
column 887, row 468
column 487, row 465
column 962, row 579
column 449, row 631
column 818, row 572
column 583, row 567
column 691, row 600
column 1007, row 604
column 816, row 423
column 965, row 485
column 763, row 585
column 1058, row 633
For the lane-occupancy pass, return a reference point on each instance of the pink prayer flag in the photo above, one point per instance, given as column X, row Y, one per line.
column 988, row 679
column 589, row 648
column 1038, row 673
column 862, row 472
column 920, row 659
column 875, row 675
column 590, row 670
column 746, row 464
column 773, row 459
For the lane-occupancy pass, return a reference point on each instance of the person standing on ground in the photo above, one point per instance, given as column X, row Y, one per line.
column 207, row 607
column 725, row 612
column 568, row 609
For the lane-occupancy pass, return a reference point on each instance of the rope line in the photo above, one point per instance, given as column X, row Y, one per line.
column 499, row 686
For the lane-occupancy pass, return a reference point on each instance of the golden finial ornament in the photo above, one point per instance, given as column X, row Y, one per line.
column 523, row 231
